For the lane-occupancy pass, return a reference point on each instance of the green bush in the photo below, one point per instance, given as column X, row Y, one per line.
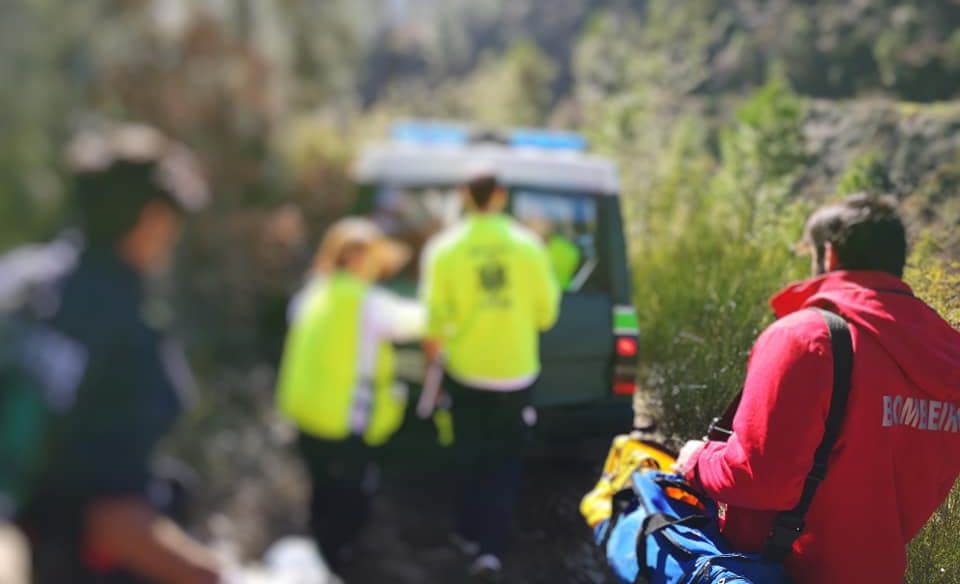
column 934, row 555
column 715, row 242
column 868, row 173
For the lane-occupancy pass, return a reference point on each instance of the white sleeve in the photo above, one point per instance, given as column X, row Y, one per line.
column 295, row 307
column 395, row 318
column 426, row 266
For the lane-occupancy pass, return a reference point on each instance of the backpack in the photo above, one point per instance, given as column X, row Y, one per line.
column 664, row 532
column 40, row 368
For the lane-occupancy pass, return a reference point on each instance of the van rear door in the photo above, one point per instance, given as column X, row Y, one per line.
column 580, row 353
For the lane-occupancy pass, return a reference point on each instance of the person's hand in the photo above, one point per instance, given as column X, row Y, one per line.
column 686, row 454
column 431, row 350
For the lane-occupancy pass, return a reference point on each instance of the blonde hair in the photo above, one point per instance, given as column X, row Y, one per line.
column 351, row 236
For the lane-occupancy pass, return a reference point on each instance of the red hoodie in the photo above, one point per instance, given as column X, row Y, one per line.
column 898, row 453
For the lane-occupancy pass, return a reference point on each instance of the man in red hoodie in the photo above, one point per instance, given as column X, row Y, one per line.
column 898, row 452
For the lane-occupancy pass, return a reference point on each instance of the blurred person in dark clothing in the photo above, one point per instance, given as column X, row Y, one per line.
column 115, row 380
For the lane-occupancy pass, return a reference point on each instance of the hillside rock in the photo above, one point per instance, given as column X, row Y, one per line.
column 914, row 150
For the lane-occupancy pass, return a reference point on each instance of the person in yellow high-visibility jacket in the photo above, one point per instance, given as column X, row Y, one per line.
column 337, row 375
column 563, row 251
column 490, row 291
column 565, row 257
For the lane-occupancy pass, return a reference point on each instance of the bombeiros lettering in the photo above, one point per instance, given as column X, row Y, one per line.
column 922, row 414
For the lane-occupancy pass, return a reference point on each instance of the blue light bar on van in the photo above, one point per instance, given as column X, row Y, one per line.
column 452, row 133
column 430, row 133
column 548, row 139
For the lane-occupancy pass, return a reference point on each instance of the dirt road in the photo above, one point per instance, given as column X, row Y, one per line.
column 407, row 540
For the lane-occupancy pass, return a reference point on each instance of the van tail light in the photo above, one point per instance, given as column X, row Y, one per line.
column 624, row 387
column 625, row 364
column 626, row 346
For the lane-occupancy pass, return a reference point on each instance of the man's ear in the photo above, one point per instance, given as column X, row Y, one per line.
column 830, row 261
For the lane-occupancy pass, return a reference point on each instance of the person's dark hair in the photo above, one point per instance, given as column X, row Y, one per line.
column 864, row 230
column 117, row 171
column 481, row 187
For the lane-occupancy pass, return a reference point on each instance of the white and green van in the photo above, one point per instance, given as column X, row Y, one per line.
column 408, row 186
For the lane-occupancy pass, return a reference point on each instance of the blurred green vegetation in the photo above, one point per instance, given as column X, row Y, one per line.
column 867, row 173
column 933, row 553
column 716, row 242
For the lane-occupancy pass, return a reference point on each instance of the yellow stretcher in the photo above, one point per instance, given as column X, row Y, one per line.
column 628, row 454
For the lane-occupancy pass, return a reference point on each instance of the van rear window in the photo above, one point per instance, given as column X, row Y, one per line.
column 568, row 223
column 568, row 226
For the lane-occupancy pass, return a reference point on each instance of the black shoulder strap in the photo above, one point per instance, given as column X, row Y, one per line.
column 721, row 427
column 789, row 524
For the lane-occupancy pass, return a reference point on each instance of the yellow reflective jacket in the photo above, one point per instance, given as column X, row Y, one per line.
column 320, row 372
column 565, row 257
column 489, row 290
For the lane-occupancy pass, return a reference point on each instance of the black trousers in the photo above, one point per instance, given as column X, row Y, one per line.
column 490, row 434
column 344, row 479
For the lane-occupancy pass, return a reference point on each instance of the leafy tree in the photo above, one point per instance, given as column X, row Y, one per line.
column 515, row 89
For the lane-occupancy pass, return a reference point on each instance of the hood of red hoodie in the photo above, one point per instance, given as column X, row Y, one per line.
column 924, row 345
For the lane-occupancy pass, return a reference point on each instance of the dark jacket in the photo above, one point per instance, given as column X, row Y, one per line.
column 113, row 377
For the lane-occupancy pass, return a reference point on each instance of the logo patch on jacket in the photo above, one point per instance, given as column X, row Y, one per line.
column 493, row 277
